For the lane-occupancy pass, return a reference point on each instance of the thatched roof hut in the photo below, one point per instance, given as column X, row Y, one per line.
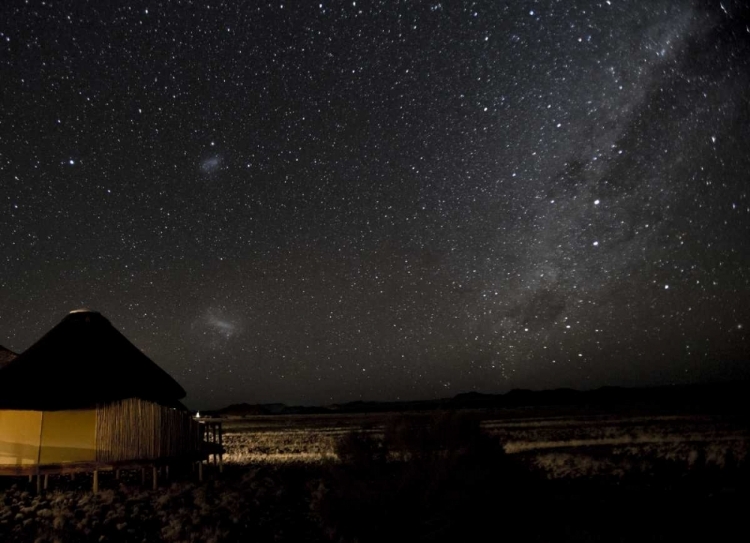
column 83, row 361
column 84, row 398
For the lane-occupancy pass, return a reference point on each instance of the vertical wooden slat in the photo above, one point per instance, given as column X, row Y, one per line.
column 135, row 429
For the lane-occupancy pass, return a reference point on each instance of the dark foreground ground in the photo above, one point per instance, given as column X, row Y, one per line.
column 437, row 477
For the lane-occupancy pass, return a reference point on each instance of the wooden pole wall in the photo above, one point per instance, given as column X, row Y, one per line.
column 135, row 429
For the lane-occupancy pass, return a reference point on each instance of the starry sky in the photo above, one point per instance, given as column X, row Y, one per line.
column 319, row 202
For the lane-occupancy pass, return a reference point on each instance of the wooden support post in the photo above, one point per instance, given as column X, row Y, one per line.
column 166, row 472
column 38, row 484
column 200, row 471
column 221, row 448
column 46, row 481
column 117, row 474
column 96, row 481
column 31, row 478
column 73, row 476
column 215, row 439
column 155, row 477
column 143, row 476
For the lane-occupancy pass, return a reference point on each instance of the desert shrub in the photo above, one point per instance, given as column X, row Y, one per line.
column 361, row 448
column 420, row 480
column 439, row 435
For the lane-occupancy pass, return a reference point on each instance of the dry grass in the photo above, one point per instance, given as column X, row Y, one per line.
column 560, row 447
column 620, row 447
column 291, row 439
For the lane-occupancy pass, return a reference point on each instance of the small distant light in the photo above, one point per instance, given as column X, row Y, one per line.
column 597, row 202
column 531, row 12
column 666, row 287
column 71, row 162
column 198, row 415
column 596, row 244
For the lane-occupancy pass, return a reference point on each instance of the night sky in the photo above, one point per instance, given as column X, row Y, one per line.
column 322, row 202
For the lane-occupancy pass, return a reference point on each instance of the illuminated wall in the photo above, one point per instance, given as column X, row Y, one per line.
column 20, row 433
column 65, row 436
column 127, row 430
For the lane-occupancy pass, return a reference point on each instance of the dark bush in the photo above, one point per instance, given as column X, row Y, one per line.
column 422, row 479
column 437, row 435
column 360, row 448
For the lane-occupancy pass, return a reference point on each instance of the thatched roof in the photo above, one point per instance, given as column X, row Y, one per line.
column 83, row 361
column 6, row 355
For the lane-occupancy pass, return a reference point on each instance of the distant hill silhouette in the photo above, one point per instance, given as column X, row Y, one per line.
column 722, row 397
column 246, row 409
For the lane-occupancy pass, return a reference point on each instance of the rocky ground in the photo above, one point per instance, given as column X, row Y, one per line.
column 243, row 504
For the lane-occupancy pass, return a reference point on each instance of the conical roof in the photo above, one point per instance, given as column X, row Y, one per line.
column 83, row 361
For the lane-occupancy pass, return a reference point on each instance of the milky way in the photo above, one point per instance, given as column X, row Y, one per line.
column 383, row 200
